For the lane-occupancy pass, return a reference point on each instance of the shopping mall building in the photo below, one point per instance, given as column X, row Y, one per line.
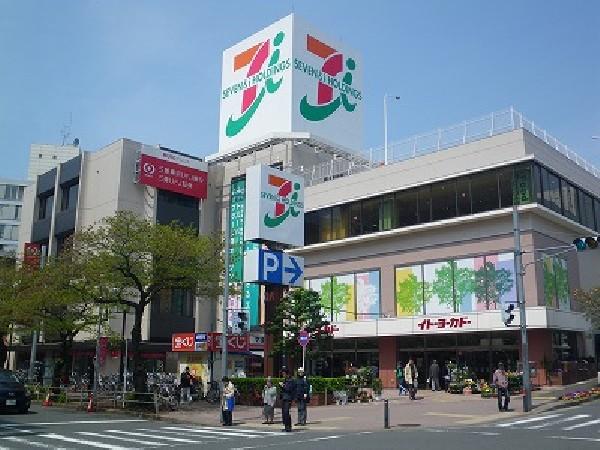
column 412, row 252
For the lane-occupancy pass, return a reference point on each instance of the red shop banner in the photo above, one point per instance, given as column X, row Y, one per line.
column 171, row 176
column 32, row 255
column 182, row 342
column 235, row 342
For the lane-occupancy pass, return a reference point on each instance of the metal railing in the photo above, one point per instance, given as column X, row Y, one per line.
column 442, row 139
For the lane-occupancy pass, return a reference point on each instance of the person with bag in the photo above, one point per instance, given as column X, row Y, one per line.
column 500, row 380
column 228, row 402
column 186, row 383
column 411, row 378
column 400, row 379
column 302, row 396
column 269, row 396
column 434, row 376
column 288, row 393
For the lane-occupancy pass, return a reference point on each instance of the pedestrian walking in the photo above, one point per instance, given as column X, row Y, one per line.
column 434, row 376
column 186, row 383
column 445, row 377
column 288, row 393
column 500, row 380
column 269, row 396
column 411, row 378
column 400, row 379
column 302, row 396
column 228, row 402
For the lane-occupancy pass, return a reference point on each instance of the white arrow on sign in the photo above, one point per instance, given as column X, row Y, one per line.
column 293, row 270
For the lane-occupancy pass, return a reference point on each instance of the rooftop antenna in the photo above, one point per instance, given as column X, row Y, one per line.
column 66, row 129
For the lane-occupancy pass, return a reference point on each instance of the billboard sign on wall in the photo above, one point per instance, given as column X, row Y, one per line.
column 173, row 172
column 274, row 206
column 290, row 78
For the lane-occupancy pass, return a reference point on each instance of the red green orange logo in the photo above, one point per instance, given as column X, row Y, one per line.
column 285, row 204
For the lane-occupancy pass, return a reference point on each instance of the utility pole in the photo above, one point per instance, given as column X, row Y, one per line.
column 226, row 285
column 34, row 342
column 522, row 311
column 97, row 357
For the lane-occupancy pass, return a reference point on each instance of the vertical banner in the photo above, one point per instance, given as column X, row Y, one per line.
column 250, row 292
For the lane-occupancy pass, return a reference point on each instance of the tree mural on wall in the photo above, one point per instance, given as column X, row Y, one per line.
column 443, row 284
column 338, row 293
column 410, row 292
column 492, row 283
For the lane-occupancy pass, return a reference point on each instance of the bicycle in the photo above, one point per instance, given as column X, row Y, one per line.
column 214, row 393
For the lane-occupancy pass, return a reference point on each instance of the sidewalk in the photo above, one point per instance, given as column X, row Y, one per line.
column 431, row 409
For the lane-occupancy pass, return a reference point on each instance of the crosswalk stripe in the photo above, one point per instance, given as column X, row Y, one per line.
column 69, row 422
column 563, row 420
column 531, row 419
column 584, row 424
column 60, row 437
column 247, row 430
column 178, row 433
column 120, row 438
column 166, row 438
column 19, row 440
column 216, row 431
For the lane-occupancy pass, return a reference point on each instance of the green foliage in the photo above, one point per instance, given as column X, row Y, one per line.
column 249, row 386
column 299, row 309
column 492, row 283
column 338, row 293
column 409, row 294
column 590, row 303
column 443, row 285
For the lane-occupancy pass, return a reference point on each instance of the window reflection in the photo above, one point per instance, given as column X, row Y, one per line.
column 484, row 192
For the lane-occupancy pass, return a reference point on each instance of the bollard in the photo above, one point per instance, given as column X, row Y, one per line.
column 386, row 414
column 156, row 405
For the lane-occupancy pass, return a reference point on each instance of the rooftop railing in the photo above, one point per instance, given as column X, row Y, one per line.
column 442, row 139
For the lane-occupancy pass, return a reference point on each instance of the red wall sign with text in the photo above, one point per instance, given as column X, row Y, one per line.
column 170, row 176
column 182, row 342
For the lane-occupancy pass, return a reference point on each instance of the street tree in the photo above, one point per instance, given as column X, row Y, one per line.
column 132, row 256
column 590, row 303
column 299, row 309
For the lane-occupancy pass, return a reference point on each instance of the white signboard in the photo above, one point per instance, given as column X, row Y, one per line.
column 273, row 267
column 274, row 206
column 289, row 78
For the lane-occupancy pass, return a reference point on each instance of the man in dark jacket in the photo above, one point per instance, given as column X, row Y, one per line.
column 288, row 394
column 302, row 396
column 186, row 383
column 434, row 376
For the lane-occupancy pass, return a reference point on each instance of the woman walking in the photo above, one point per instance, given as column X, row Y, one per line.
column 228, row 402
column 269, row 396
column 411, row 378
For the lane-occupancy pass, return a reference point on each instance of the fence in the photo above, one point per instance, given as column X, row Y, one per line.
column 442, row 139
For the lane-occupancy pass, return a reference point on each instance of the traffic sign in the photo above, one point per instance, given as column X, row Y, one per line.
column 303, row 338
column 273, row 267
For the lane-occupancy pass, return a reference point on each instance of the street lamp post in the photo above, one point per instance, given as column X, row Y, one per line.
column 385, row 128
column 226, row 285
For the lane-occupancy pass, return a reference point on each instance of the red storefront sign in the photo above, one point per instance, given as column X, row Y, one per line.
column 443, row 323
column 32, row 255
column 235, row 342
column 171, row 176
column 182, row 342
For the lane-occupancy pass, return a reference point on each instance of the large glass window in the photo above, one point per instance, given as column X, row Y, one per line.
column 537, row 184
column 425, row 204
column 506, row 182
column 342, row 294
column 551, row 187
column 325, row 225
column 484, row 192
column 409, row 290
column 443, row 200
column 407, row 208
column 367, row 295
column 463, row 196
column 387, row 213
column 323, row 287
column 597, row 214
column 11, row 192
column 355, row 219
column 556, row 283
column 68, row 199
column 440, row 277
column 10, row 212
column 46, row 203
column 311, row 227
column 370, row 215
column 586, row 210
column 569, row 201
column 339, row 221
column 9, row 232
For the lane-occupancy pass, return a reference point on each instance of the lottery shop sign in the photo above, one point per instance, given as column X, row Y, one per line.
column 172, row 171
column 444, row 323
column 183, row 342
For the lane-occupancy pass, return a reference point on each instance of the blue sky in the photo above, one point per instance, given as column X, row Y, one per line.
column 151, row 70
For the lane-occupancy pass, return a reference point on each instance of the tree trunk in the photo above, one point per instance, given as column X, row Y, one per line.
column 67, row 358
column 139, row 374
column 3, row 351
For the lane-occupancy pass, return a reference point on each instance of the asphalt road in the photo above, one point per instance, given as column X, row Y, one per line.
column 572, row 428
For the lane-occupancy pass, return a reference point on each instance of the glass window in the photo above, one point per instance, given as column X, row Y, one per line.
column 340, row 221
column 9, row 232
column 464, row 285
column 323, row 287
column 45, row 206
column 586, row 210
column 425, row 204
column 370, row 215
column 10, row 212
column 409, row 290
column 440, row 277
column 597, row 214
column 407, row 208
column 484, row 192
column 11, row 192
column 561, row 275
column 537, row 184
column 551, row 187
column 569, row 201
column 324, row 225
column 367, row 295
column 342, row 294
column 549, row 282
column 311, row 227
column 463, row 196
column 505, row 180
column 443, row 200
column 387, row 213
column 355, row 219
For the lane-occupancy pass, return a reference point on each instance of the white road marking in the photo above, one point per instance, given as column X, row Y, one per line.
column 485, row 433
column 19, row 440
column 580, row 425
column 215, row 431
column 531, row 419
column 120, row 438
column 166, row 438
column 178, row 433
column 574, row 438
column 566, row 419
column 70, row 422
column 60, row 437
column 243, row 430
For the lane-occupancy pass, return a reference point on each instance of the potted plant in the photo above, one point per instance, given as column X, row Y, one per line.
column 377, row 388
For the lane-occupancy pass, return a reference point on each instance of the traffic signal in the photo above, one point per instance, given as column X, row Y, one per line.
column 584, row 243
column 507, row 313
column 242, row 321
